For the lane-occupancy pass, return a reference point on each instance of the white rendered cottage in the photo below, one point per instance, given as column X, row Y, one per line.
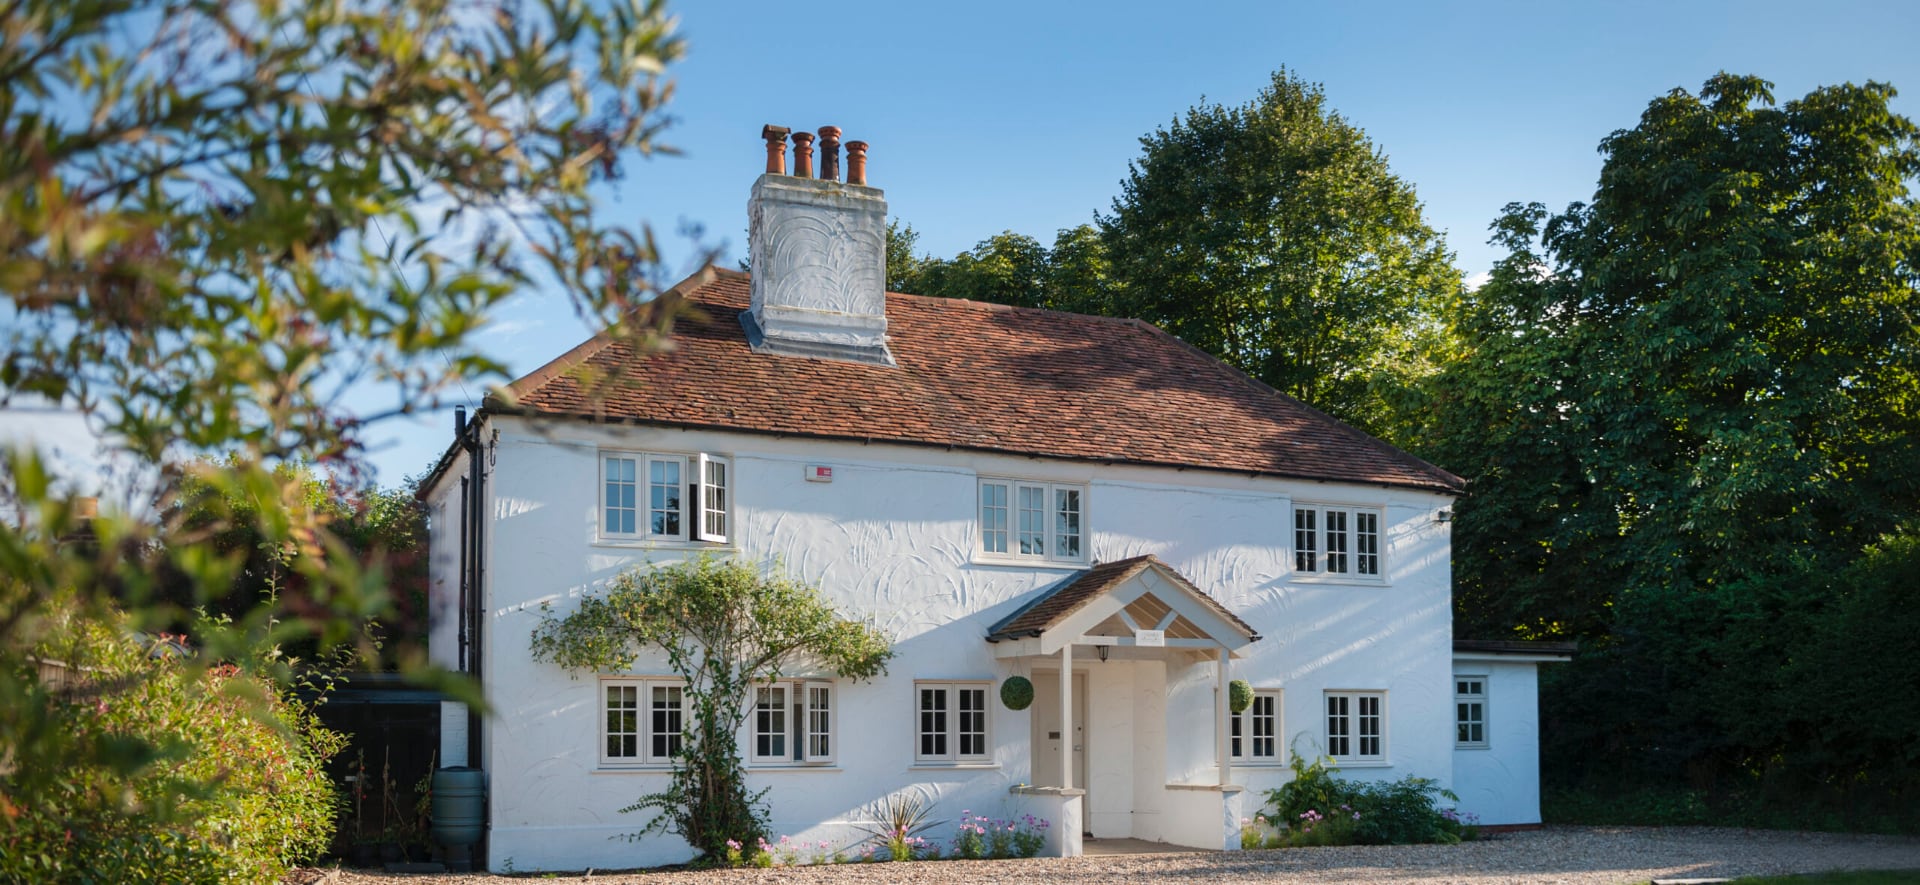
column 1087, row 502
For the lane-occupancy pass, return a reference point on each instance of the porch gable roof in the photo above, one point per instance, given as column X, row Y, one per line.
column 1057, row 606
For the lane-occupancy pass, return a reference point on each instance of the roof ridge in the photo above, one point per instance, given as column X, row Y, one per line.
column 997, row 306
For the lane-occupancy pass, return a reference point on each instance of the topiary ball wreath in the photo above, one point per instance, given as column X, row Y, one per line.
column 1016, row 693
column 1239, row 695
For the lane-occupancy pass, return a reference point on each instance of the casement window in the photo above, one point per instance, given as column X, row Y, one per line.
column 1340, row 541
column 649, row 496
column 1355, row 721
column 950, row 722
column 1255, row 735
column 1033, row 520
column 643, row 721
column 793, row 723
column 1470, row 712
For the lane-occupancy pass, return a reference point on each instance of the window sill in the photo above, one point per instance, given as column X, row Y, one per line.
column 1361, row 763
column 1338, row 581
column 664, row 544
column 651, row 769
column 1258, row 763
column 1019, row 562
column 1473, row 746
column 953, row 766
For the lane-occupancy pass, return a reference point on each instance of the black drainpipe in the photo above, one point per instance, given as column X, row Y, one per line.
column 473, row 538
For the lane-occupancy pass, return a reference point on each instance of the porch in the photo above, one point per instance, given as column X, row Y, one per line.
column 1129, row 735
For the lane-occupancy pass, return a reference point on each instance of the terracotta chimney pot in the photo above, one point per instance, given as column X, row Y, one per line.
column 776, row 137
column 803, row 154
column 830, row 153
column 856, row 162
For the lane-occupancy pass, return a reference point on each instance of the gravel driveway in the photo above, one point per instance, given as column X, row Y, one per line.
column 1583, row 855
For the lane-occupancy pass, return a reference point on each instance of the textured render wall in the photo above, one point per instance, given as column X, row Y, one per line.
column 892, row 538
column 1395, row 637
column 1501, row 783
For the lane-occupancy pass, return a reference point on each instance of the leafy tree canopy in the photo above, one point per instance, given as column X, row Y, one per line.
column 1274, row 236
column 1016, row 269
column 1709, row 370
column 1690, row 412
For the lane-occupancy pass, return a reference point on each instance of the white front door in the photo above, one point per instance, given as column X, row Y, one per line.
column 1046, row 732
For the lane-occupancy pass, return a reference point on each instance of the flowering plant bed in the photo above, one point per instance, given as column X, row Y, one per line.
column 978, row 838
column 1316, row 808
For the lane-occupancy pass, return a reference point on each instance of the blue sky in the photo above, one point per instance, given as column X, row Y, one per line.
column 991, row 116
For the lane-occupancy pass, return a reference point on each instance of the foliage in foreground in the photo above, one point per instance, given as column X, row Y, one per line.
column 167, row 772
column 222, row 224
column 1316, row 808
column 725, row 629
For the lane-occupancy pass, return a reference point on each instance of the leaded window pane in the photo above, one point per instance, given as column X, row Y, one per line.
column 664, row 490
column 1366, row 538
column 1066, row 513
column 993, row 517
column 1336, row 559
column 1306, row 541
column 1032, row 520
column 973, row 721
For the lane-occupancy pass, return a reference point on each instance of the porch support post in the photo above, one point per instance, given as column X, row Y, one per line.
column 1066, row 715
column 1220, row 714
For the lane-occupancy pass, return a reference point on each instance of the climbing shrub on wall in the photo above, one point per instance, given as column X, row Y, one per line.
column 725, row 627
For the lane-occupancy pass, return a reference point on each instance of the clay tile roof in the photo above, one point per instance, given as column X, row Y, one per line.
column 977, row 376
column 1051, row 607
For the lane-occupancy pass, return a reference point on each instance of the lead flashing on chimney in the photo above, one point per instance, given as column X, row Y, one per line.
column 874, row 355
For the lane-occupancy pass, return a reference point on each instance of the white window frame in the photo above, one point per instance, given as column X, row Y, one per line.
column 705, row 496
column 1329, row 542
column 1463, row 700
column 715, row 485
column 1347, row 743
column 802, row 709
column 1052, row 529
column 1242, row 740
column 950, row 733
column 644, row 733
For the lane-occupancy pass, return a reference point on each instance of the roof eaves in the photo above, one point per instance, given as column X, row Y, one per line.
column 498, row 407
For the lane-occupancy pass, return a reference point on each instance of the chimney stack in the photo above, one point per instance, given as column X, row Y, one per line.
column 818, row 250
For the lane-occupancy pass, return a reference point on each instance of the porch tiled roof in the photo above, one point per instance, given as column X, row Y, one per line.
column 1055, row 605
column 974, row 376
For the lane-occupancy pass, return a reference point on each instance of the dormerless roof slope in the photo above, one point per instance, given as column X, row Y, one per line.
column 977, row 376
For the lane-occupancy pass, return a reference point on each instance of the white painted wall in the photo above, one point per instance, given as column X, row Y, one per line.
column 892, row 538
column 1501, row 783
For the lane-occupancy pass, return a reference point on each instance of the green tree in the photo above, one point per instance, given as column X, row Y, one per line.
column 1274, row 236
column 383, row 530
column 1689, row 409
column 218, row 220
column 725, row 628
column 1013, row 268
column 902, row 265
